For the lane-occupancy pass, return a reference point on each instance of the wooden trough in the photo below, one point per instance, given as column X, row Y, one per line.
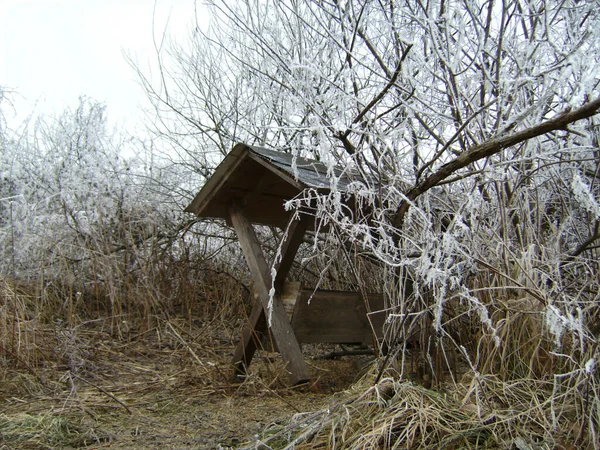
column 337, row 317
column 250, row 186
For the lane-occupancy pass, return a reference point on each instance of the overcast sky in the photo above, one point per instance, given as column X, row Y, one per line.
column 53, row 51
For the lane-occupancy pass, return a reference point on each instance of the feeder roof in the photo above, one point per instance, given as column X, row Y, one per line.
column 261, row 180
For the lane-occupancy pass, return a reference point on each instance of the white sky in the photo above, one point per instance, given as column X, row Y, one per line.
column 53, row 51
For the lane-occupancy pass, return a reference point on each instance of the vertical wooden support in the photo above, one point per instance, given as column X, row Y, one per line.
column 280, row 325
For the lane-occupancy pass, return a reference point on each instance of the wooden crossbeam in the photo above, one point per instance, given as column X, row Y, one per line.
column 280, row 328
column 338, row 317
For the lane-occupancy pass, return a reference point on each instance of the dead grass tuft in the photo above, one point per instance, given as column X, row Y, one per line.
column 482, row 411
column 45, row 431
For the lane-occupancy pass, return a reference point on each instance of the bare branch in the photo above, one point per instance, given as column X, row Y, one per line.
column 490, row 148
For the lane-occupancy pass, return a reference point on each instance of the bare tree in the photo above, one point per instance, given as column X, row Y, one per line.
column 471, row 124
column 413, row 95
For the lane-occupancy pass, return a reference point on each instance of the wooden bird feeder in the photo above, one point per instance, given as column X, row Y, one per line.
column 250, row 186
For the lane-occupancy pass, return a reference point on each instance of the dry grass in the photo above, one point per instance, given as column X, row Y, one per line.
column 44, row 431
column 158, row 375
column 522, row 394
column 170, row 385
column 483, row 412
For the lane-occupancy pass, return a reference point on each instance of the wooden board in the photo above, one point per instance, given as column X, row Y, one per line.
column 336, row 317
column 289, row 297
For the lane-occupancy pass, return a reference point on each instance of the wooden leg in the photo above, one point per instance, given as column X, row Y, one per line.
column 279, row 323
column 244, row 352
column 289, row 247
column 257, row 323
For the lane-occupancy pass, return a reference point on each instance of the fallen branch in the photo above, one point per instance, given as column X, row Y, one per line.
column 339, row 354
column 103, row 391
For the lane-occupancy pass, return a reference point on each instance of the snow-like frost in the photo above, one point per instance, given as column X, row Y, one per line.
column 583, row 194
column 590, row 366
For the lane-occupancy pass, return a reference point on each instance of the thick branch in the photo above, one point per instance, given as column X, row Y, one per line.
column 490, row 148
column 586, row 244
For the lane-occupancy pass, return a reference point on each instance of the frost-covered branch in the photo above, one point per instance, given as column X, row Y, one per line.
column 492, row 147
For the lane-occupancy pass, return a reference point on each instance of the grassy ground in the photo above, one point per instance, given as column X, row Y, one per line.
column 166, row 382
column 170, row 387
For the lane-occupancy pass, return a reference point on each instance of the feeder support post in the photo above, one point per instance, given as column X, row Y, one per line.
column 280, row 326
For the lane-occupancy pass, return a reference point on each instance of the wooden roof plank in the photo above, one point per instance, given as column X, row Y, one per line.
column 277, row 170
column 222, row 173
